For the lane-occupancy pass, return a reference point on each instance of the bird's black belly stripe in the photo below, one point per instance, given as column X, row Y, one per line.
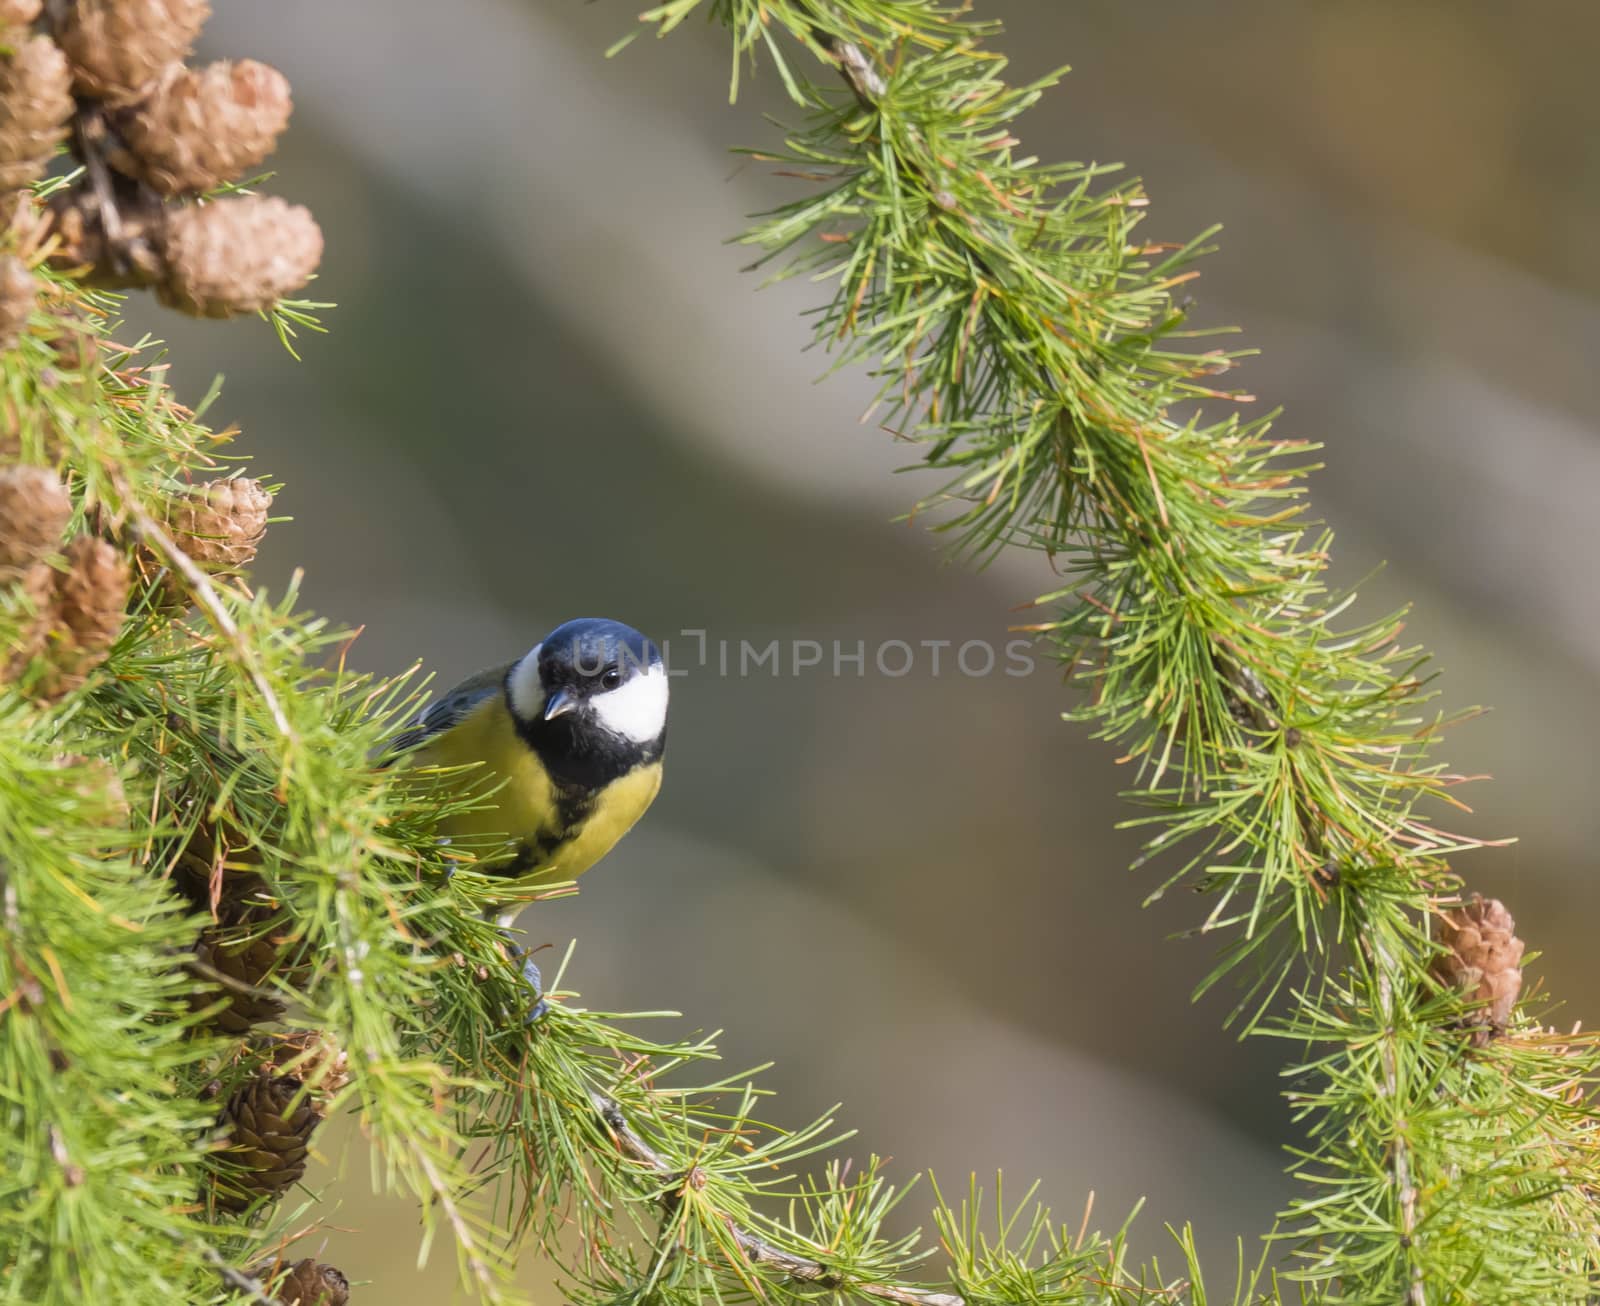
column 574, row 806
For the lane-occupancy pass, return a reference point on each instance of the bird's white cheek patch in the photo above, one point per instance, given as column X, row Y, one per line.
column 527, row 694
column 636, row 710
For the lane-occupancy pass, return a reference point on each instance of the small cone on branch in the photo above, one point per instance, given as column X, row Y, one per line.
column 90, row 599
column 238, row 960
column 91, row 594
column 216, row 869
column 35, row 106
column 313, row 1058
column 202, row 127
column 310, row 1283
column 38, row 591
column 79, row 615
column 219, row 524
column 1483, row 959
column 238, row 254
column 34, row 508
column 118, row 47
column 17, row 293
column 269, row 1120
column 19, row 13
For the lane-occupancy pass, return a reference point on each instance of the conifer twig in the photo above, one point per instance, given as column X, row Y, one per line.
column 856, row 67
column 757, row 1248
column 1400, row 1150
column 252, row 1288
column 464, row 1239
column 1022, row 331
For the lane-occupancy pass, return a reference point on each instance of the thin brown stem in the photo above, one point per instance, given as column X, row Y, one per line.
column 757, row 1250
column 856, row 67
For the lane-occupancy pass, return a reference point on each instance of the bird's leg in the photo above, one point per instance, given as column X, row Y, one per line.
column 530, row 971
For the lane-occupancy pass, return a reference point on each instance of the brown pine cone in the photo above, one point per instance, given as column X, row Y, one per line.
column 38, row 592
column 314, row 1059
column 216, row 869
column 270, row 1120
column 35, row 106
column 17, row 292
column 219, row 524
column 34, row 508
column 90, row 599
column 19, row 13
column 238, row 254
column 1483, row 960
column 92, row 593
column 79, row 617
column 118, row 47
column 308, row 1283
column 247, row 953
column 204, row 126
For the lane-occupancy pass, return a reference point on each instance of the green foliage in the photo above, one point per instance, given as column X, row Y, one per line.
column 91, row 1001
column 1026, row 335
column 1028, row 338
column 248, row 721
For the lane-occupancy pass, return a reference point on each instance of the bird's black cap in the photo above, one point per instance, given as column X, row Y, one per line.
column 586, row 646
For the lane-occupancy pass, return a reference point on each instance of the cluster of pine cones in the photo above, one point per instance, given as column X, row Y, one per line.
column 108, row 77
column 73, row 616
column 153, row 135
column 242, row 957
column 268, row 1120
column 282, row 1081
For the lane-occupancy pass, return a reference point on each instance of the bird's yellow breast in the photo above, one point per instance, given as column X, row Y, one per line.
column 551, row 834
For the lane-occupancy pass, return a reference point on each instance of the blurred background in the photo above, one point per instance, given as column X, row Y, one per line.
column 550, row 391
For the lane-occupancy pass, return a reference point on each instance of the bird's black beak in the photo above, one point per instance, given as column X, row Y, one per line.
column 559, row 704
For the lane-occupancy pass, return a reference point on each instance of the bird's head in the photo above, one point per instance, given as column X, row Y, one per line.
column 592, row 682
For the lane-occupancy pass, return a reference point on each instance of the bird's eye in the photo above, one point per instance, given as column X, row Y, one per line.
column 610, row 678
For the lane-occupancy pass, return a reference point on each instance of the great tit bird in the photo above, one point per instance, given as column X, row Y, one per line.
column 569, row 738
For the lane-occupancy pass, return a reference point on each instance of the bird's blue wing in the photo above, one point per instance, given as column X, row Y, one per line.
column 449, row 709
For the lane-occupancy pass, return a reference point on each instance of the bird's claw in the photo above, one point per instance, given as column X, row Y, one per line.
column 530, row 972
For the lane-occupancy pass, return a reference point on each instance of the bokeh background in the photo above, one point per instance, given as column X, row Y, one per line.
column 550, row 390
